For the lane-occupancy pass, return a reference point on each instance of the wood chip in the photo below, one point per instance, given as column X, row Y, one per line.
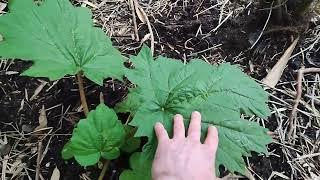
column 55, row 174
column 273, row 77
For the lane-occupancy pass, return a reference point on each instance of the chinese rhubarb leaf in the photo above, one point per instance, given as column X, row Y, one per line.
column 221, row 93
column 101, row 134
column 60, row 39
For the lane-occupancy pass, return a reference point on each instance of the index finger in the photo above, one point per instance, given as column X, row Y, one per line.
column 161, row 132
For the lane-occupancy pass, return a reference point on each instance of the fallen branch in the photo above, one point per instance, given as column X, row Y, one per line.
column 292, row 117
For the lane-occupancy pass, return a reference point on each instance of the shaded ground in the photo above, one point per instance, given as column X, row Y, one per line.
column 182, row 30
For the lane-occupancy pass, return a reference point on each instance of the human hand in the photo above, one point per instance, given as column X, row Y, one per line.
column 185, row 158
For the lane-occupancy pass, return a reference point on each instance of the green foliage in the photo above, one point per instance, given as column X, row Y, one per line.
column 101, row 134
column 221, row 93
column 60, row 39
column 141, row 168
column 131, row 143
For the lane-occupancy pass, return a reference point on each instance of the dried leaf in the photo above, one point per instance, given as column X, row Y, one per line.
column 4, row 146
column 55, row 174
column 2, row 6
column 90, row 4
column 145, row 38
column 16, row 168
column 139, row 12
column 275, row 174
column 275, row 74
column 38, row 90
column 42, row 119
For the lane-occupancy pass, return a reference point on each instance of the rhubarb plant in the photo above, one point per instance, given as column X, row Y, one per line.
column 165, row 87
column 61, row 40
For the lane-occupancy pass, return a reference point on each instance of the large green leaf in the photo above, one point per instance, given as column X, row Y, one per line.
column 60, row 39
column 221, row 93
column 101, row 134
column 141, row 168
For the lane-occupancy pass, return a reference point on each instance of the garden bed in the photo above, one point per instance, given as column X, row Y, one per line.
column 215, row 31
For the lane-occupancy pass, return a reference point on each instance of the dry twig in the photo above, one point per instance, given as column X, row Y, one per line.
column 293, row 113
column 145, row 17
column 38, row 160
column 134, row 19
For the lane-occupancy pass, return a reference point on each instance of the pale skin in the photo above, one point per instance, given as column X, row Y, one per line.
column 185, row 157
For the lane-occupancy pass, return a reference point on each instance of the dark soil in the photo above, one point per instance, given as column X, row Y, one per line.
column 177, row 32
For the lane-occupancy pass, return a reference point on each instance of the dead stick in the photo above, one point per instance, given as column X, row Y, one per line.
column 293, row 113
column 134, row 19
column 38, row 160
column 83, row 98
column 148, row 24
column 104, row 170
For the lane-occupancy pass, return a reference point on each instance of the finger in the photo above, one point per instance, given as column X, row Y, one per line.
column 178, row 127
column 212, row 139
column 161, row 132
column 194, row 130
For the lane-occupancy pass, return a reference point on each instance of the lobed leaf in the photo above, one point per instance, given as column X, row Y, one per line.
column 60, row 39
column 221, row 93
column 101, row 134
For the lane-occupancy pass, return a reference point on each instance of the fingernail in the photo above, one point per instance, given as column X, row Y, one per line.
column 157, row 124
column 195, row 113
column 212, row 127
column 177, row 116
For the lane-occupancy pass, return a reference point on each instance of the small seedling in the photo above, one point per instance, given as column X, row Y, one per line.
column 101, row 134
